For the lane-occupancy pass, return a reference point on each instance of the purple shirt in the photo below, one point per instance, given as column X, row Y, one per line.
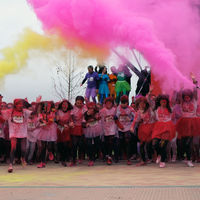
column 92, row 79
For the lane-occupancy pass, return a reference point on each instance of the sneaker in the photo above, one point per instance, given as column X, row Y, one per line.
column 10, row 168
column 29, row 163
column 189, row 163
column 158, row 159
column 162, row 164
column 149, row 161
column 72, row 164
column 56, row 161
column 80, row 161
column 51, row 156
column 109, row 161
column 23, row 162
column 174, row 159
column 41, row 165
column 129, row 162
column 90, row 163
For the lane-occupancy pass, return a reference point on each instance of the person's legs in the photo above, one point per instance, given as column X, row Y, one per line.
column 93, row 94
column 43, row 152
column 149, row 150
column 155, row 145
column 74, row 147
column 142, row 151
column 23, row 148
column 163, row 150
column 31, row 152
column 88, row 93
column 28, row 146
column 13, row 149
column 128, row 144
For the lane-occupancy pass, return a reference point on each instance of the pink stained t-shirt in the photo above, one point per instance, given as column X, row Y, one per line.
column 189, row 109
column 163, row 115
column 17, row 122
column 108, row 121
column 78, row 115
column 125, row 117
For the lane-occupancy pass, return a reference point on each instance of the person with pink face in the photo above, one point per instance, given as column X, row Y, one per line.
column 64, row 122
column 125, row 114
column 164, row 130
column 188, row 126
column 3, row 106
column 110, row 123
column 17, row 122
column 144, row 121
column 93, row 131
column 77, row 136
column 48, row 132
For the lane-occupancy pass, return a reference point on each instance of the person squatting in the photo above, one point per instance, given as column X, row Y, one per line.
column 151, row 129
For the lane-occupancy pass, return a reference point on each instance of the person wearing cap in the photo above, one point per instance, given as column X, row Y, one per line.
column 17, row 122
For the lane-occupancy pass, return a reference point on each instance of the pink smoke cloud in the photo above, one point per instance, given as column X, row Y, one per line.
column 165, row 32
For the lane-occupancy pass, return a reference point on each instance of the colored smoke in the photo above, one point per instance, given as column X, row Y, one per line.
column 15, row 57
column 165, row 32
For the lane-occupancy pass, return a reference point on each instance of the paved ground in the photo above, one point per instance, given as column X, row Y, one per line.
column 118, row 181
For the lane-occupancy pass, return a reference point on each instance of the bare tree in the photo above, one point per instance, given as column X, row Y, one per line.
column 68, row 75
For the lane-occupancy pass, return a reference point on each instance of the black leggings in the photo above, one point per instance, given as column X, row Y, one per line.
column 112, row 144
column 93, row 145
column 50, row 146
column 14, row 142
column 77, row 145
column 2, row 147
column 187, row 146
column 64, row 150
column 125, row 143
column 160, row 146
column 146, row 147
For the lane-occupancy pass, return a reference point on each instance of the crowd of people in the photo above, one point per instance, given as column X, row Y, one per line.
column 149, row 129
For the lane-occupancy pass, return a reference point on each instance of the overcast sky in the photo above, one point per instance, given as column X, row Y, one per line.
column 36, row 77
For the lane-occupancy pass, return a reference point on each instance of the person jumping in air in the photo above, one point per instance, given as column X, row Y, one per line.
column 92, row 78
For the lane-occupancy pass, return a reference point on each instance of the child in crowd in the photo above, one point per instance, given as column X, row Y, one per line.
column 17, row 121
column 48, row 132
column 164, row 129
column 109, row 123
column 125, row 114
column 64, row 121
column 77, row 136
column 92, row 123
column 144, row 119
column 32, row 135
column 188, row 126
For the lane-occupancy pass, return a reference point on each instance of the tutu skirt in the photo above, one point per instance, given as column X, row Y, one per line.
column 122, row 86
column 188, row 127
column 164, row 130
column 63, row 135
column 145, row 132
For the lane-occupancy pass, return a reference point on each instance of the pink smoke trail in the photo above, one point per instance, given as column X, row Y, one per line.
column 146, row 25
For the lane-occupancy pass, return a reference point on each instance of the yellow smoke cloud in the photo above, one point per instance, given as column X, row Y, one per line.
column 15, row 57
